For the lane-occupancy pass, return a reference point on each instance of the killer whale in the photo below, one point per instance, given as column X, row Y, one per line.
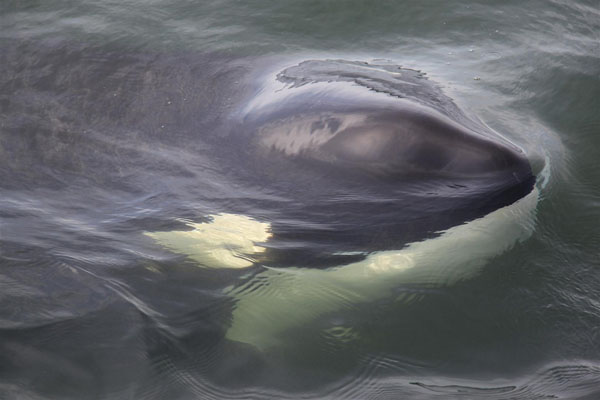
column 343, row 156
column 312, row 232
column 381, row 180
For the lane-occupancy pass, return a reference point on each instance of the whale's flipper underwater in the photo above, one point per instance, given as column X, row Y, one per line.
column 382, row 181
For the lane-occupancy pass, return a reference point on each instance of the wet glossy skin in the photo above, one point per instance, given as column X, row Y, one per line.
column 397, row 142
column 367, row 178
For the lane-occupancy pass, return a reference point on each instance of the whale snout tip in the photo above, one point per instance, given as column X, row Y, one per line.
column 537, row 164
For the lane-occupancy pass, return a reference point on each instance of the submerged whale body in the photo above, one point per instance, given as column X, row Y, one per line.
column 373, row 179
column 367, row 170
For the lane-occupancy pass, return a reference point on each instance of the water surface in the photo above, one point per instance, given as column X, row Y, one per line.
column 110, row 114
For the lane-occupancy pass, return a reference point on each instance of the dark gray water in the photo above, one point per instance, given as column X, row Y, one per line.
column 121, row 125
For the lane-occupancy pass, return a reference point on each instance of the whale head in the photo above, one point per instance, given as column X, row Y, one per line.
column 366, row 171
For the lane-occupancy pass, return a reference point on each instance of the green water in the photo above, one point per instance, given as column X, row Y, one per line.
column 104, row 111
